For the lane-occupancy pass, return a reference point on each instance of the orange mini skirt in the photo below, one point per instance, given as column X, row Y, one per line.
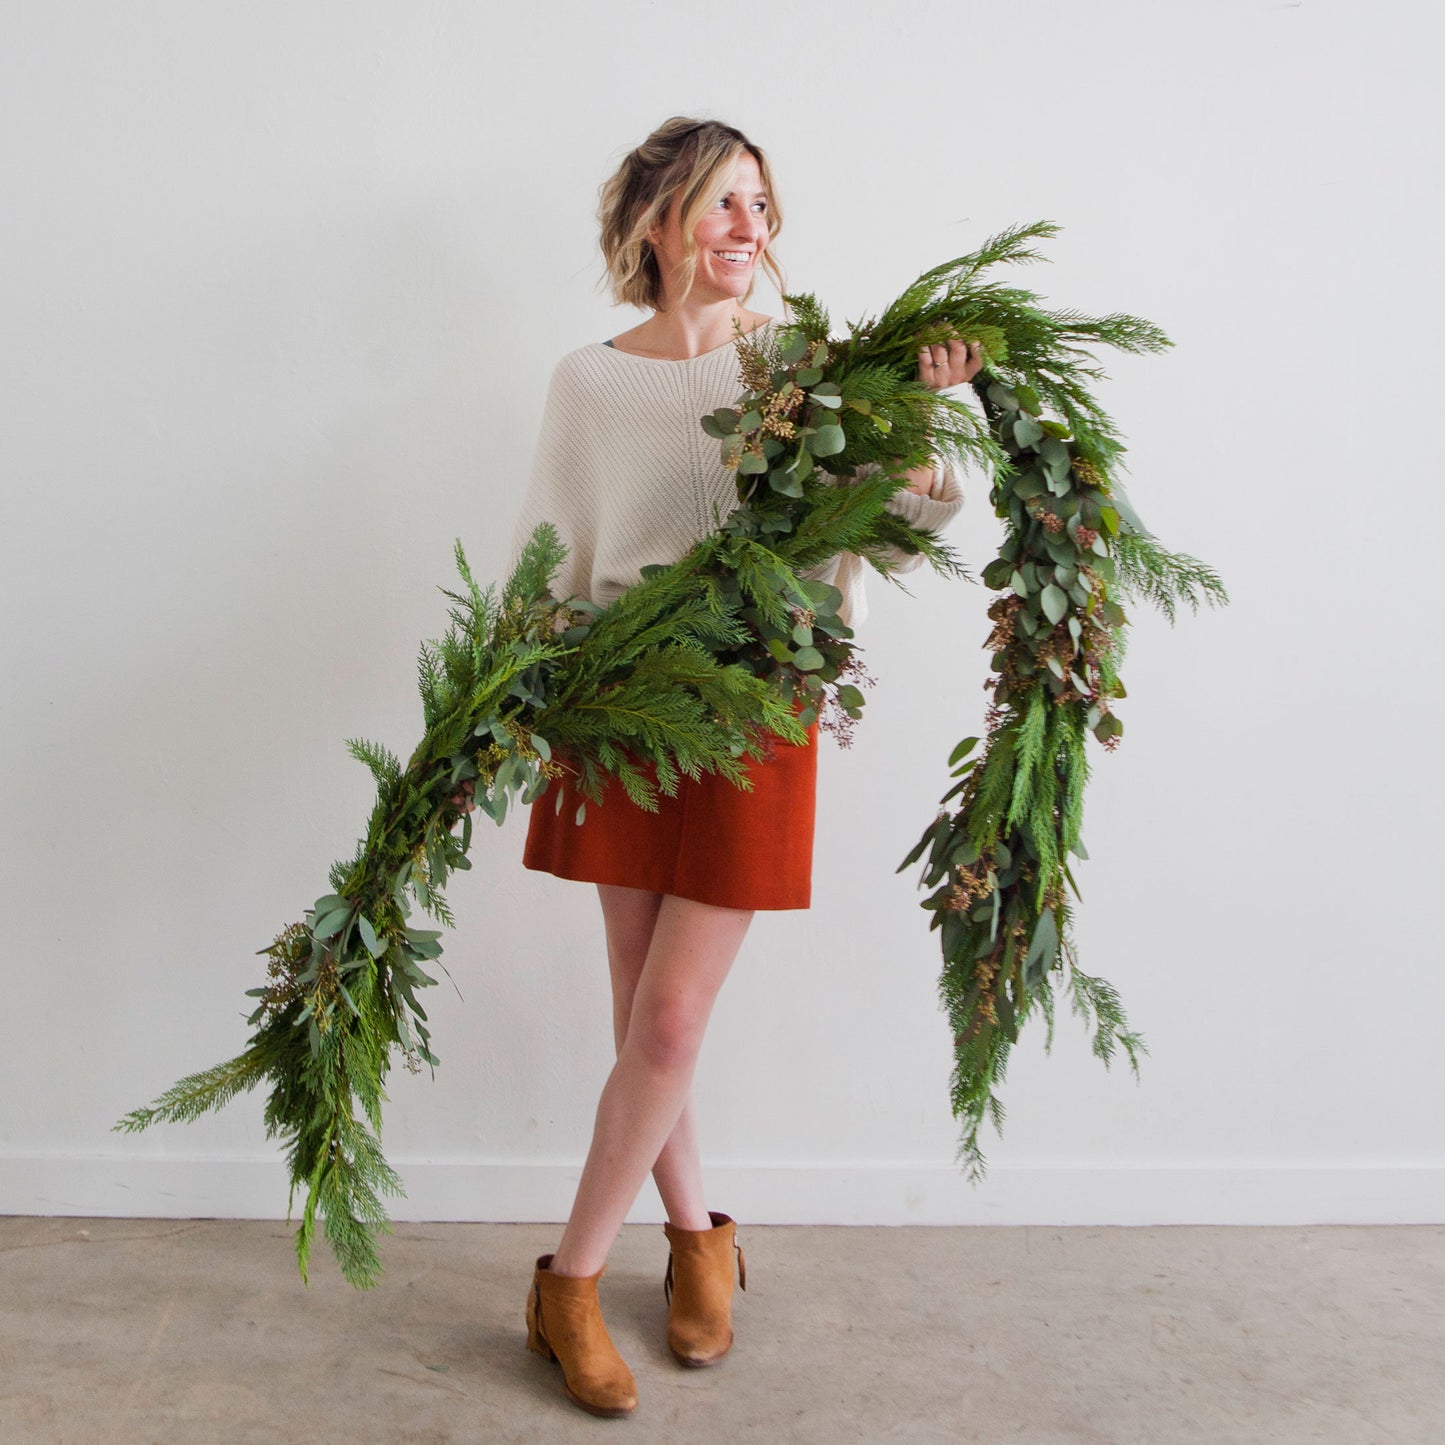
column 712, row 842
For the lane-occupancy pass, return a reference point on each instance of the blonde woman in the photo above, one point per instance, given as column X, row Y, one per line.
column 627, row 476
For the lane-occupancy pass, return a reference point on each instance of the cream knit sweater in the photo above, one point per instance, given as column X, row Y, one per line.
column 626, row 474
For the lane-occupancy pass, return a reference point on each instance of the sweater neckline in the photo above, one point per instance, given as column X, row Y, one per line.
column 683, row 360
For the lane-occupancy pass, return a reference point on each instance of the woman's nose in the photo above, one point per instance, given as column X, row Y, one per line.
column 751, row 228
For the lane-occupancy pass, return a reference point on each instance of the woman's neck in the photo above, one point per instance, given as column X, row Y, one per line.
column 686, row 332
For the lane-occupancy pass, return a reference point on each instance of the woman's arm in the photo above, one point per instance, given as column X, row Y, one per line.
column 939, row 496
column 930, row 509
column 557, row 492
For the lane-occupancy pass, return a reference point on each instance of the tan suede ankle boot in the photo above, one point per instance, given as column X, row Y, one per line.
column 699, row 1289
column 564, row 1323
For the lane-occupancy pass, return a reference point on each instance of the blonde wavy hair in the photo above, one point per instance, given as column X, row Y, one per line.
column 691, row 161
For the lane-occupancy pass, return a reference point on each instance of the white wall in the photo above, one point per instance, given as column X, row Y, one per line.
column 282, row 287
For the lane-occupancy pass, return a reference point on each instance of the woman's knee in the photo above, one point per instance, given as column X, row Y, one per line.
column 666, row 1034
column 692, row 950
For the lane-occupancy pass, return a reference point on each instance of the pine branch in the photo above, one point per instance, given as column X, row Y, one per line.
column 197, row 1094
column 1167, row 580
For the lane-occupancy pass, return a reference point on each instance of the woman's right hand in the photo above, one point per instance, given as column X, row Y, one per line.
column 463, row 801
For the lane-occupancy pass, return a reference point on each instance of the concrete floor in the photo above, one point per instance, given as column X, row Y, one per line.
column 117, row 1330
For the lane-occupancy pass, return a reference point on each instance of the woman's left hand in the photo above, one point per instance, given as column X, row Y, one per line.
column 941, row 366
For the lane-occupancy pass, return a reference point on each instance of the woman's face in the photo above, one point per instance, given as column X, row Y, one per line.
column 730, row 239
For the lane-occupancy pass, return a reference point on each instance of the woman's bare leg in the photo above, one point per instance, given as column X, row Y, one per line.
column 631, row 915
column 692, row 948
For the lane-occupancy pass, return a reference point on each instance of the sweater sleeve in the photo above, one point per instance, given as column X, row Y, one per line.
column 930, row 513
column 557, row 492
column 933, row 512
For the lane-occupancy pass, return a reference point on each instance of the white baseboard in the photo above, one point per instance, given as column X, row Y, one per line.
column 865, row 1193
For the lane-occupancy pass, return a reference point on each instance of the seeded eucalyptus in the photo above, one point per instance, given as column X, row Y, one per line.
column 692, row 668
column 999, row 861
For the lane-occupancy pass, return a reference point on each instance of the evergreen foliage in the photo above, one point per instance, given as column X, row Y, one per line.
column 692, row 669
column 999, row 862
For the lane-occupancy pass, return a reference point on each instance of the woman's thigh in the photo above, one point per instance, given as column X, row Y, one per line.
column 692, row 948
column 629, row 916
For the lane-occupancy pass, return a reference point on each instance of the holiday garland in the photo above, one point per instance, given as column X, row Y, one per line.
column 692, row 668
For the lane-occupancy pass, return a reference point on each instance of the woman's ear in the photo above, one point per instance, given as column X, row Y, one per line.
column 659, row 223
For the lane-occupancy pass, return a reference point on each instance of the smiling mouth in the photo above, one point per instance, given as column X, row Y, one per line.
column 734, row 258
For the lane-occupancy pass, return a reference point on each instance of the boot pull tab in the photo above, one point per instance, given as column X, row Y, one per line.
column 742, row 1263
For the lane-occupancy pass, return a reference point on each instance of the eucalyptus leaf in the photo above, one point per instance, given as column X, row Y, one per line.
column 331, row 924
column 1054, row 452
column 1127, row 515
column 1027, row 431
column 823, row 596
column 374, row 946
column 794, row 345
column 962, row 751
column 1043, row 949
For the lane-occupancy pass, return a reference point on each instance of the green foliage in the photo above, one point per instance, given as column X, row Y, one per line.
column 999, row 863
column 1166, row 580
column 519, row 690
column 691, row 669
column 197, row 1094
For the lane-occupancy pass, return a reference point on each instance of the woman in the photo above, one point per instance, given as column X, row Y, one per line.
column 625, row 473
